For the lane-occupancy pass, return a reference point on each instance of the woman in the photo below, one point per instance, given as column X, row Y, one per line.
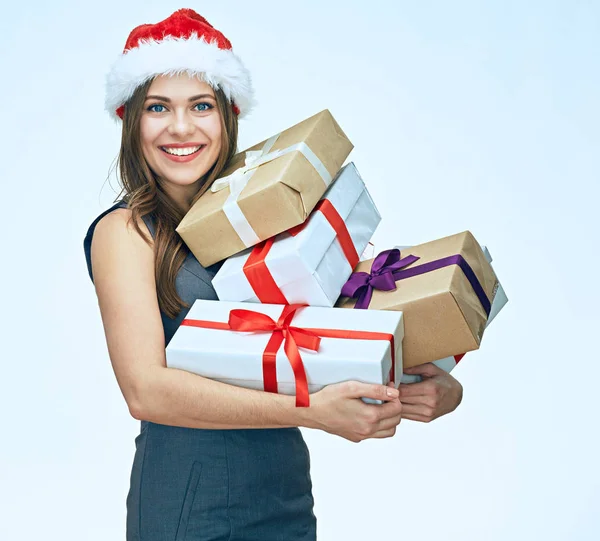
column 201, row 469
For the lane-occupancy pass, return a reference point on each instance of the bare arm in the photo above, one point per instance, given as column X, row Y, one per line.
column 123, row 268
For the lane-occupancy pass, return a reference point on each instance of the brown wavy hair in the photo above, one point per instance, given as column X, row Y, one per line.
column 145, row 196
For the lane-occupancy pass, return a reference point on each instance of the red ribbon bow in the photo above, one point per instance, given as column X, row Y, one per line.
column 293, row 338
column 282, row 332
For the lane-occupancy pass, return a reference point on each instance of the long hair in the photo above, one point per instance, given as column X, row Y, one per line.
column 145, row 196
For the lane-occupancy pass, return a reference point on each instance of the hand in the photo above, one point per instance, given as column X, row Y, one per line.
column 338, row 409
column 438, row 394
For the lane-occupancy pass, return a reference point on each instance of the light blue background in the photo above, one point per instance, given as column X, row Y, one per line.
column 465, row 115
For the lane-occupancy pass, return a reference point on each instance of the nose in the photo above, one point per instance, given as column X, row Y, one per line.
column 181, row 125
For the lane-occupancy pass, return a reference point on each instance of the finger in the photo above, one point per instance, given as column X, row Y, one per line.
column 413, row 389
column 418, row 418
column 421, row 410
column 358, row 389
column 377, row 415
column 388, row 409
column 428, row 370
column 388, row 424
column 384, row 433
column 429, row 398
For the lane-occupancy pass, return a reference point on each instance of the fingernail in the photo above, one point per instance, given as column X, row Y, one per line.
column 393, row 393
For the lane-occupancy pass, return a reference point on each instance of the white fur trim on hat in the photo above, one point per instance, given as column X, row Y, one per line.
column 172, row 56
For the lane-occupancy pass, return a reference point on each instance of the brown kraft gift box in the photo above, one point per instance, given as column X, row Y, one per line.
column 443, row 315
column 279, row 195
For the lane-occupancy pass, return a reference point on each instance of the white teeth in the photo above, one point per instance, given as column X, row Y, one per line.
column 181, row 151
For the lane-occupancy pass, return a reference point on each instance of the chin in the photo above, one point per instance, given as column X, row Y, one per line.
column 183, row 180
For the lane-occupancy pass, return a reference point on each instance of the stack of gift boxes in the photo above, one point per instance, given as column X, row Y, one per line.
column 297, row 308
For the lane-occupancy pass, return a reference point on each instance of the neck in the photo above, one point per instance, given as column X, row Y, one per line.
column 182, row 195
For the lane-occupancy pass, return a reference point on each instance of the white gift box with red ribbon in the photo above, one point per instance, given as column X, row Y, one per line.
column 448, row 363
column 310, row 263
column 287, row 349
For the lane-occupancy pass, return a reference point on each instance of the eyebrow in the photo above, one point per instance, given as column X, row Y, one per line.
column 193, row 98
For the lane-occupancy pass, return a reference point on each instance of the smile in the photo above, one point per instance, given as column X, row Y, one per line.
column 182, row 154
column 181, row 151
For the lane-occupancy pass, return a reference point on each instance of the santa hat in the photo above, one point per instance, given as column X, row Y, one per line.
column 185, row 42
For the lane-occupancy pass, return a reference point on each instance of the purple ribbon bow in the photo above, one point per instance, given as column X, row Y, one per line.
column 388, row 268
column 361, row 284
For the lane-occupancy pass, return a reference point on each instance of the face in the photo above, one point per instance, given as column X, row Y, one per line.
column 180, row 131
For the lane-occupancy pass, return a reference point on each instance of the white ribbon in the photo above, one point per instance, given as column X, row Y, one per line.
column 240, row 177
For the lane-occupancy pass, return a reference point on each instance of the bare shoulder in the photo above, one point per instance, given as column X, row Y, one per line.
column 121, row 257
column 117, row 226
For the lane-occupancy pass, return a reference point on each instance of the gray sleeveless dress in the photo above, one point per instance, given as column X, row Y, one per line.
column 208, row 485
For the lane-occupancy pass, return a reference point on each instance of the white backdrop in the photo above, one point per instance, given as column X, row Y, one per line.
column 465, row 115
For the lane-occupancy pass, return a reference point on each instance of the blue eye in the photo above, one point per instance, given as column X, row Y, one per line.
column 203, row 106
column 152, row 108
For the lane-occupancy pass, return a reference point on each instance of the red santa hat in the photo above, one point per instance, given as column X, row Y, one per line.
column 185, row 42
